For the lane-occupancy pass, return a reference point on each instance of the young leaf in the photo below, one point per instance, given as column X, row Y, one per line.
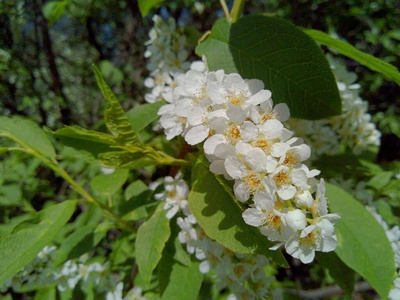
column 221, row 218
column 150, row 241
column 348, row 50
column 146, row 5
column 184, row 282
column 109, row 184
column 19, row 248
column 125, row 159
column 142, row 115
column 82, row 139
column 362, row 242
column 288, row 61
column 28, row 134
column 115, row 117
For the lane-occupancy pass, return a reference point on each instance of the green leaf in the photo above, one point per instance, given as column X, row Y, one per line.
column 380, row 180
column 19, row 248
column 342, row 274
column 10, row 195
column 87, row 140
column 348, row 50
column 48, row 293
column 288, row 61
column 79, row 242
column 221, row 218
column 184, row 282
column 27, row 134
column 146, row 5
column 125, row 159
column 109, row 184
column 4, row 150
column 142, row 115
column 115, row 117
column 54, row 10
column 362, row 242
column 150, row 242
column 135, row 189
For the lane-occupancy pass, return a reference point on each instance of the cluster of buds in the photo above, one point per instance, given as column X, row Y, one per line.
column 232, row 270
column 246, row 141
column 353, row 128
column 167, row 58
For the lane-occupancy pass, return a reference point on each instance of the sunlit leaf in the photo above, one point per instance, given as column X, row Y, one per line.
column 288, row 61
column 362, row 242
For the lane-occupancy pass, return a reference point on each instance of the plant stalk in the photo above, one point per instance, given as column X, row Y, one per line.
column 237, row 10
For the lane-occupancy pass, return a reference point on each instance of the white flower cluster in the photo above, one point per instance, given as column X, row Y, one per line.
column 40, row 272
column 246, row 141
column 167, row 58
column 353, row 128
column 232, row 270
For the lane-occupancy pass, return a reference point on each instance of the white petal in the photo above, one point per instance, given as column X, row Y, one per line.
column 283, row 111
column 212, row 142
column 287, row 192
column 254, row 85
column 234, row 167
column 253, row 217
column 258, row 98
column 197, row 134
column 257, row 159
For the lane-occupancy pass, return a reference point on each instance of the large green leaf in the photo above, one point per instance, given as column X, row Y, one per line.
column 288, row 61
column 142, row 115
column 28, row 134
column 109, row 184
column 115, row 117
column 150, row 242
column 348, row 50
column 146, row 5
column 362, row 242
column 20, row 247
column 221, row 218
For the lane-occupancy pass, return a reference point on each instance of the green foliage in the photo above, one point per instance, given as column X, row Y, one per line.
column 288, row 62
column 362, row 242
column 150, row 241
column 85, row 140
column 342, row 274
column 31, row 137
column 142, row 115
column 219, row 214
column 348, row 50
column 184, row 282
column 146, row 5
column 81, row 241
column 115, row 118
column 109, row 184
column 29, row 238
column 54, row 10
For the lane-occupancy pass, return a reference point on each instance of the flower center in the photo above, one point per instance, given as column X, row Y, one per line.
column 234, row 133
column 281, row 178
column 263, row 144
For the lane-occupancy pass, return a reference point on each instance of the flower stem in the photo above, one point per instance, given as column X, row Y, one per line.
column 225, row 8
column 237, row 10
